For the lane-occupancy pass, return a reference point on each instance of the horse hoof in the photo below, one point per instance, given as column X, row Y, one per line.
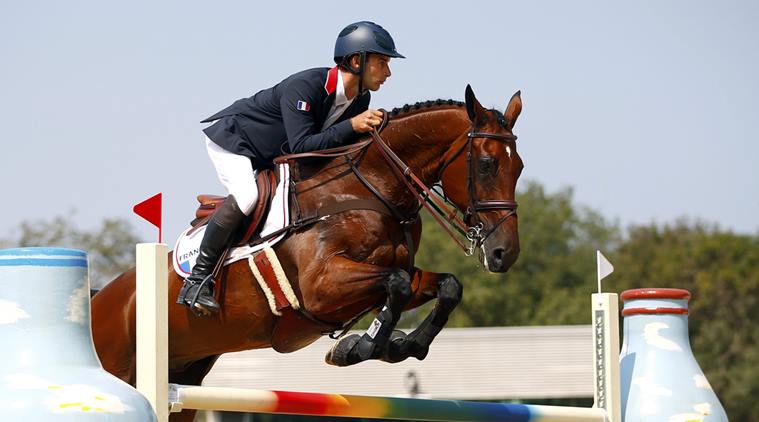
column 338, row 354
column 420, row 352
column 396, row 348
column 403, row 347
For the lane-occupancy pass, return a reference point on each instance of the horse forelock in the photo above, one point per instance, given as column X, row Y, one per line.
column 500, row 118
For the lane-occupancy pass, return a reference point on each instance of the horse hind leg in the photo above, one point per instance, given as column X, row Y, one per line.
column 449, row 292
column 373, row 343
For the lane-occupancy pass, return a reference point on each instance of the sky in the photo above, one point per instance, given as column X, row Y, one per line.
column 647, row 109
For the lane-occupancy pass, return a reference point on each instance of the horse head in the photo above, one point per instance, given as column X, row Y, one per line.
column 486, row 158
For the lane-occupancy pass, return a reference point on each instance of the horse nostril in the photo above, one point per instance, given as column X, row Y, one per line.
column 498, row 254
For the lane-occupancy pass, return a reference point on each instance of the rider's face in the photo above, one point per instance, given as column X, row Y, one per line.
column 376, row 71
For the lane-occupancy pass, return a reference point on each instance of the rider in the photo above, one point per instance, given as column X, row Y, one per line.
column 311, row 110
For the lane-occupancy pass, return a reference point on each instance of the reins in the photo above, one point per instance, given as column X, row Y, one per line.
column 442, row 210
column 404, row 173
column 327, row 153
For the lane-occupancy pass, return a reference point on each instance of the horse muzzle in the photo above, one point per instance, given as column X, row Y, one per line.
column 499, row 255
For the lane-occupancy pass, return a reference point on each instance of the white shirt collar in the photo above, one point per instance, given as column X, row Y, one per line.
column 340, row 97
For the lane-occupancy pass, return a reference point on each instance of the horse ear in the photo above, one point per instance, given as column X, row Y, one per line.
column 513, row 109
column 473, row 107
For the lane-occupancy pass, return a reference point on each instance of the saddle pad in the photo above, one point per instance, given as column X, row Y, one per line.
column 269, row 274
column 187, row 246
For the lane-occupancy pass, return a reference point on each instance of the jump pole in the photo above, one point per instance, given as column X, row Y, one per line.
column 152, row 373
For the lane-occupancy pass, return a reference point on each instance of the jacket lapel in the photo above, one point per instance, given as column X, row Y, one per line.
column 330, row 89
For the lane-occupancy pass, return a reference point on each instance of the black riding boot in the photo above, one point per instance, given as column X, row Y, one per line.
column 198, row 289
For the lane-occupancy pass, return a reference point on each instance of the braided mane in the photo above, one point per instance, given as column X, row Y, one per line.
column 409, row 108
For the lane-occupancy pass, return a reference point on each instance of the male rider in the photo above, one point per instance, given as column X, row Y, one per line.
column 311, row 110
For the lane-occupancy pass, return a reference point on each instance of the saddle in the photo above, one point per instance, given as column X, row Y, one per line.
column 266, row 180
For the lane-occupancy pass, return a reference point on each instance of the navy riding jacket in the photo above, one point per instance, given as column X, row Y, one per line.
column 286, row 118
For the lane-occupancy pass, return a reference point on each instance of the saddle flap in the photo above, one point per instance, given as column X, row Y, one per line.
column 266, row 180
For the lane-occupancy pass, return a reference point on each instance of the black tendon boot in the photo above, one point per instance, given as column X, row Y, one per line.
column 198, row 289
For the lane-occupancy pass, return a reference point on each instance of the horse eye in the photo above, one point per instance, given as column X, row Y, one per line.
column 487, row 166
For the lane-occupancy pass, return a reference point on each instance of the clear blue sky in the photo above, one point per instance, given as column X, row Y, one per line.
column 648, row 109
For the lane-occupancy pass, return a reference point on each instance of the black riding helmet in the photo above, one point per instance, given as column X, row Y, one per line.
column 363, row 38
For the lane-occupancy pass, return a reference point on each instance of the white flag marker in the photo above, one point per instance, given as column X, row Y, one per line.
column 604, row 267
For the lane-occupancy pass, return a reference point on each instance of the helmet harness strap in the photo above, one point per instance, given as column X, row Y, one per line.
column 345, row 63
column 361, row 67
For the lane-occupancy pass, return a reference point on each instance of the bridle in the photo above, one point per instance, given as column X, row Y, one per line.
column 444, row 211
column 475, row 225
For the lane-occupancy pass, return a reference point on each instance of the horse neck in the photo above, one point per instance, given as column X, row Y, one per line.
column 421, row 139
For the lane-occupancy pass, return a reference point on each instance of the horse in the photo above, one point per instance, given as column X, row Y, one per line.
column 355, row 261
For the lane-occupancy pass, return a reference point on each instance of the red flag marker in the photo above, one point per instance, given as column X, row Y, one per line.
column 150, row 209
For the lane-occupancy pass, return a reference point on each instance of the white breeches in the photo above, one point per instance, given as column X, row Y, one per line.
column 237, row 175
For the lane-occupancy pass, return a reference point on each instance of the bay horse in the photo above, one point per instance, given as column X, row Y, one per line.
column 353, row 261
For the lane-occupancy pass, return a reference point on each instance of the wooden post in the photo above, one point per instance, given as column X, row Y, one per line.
column 153, row 326
column 606, row 386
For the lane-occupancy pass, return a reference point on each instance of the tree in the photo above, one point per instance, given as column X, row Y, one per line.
column 110, row 246
column 721, row 271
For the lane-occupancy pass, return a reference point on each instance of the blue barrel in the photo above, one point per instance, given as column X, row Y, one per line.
column 48, row 366
column 661, row 380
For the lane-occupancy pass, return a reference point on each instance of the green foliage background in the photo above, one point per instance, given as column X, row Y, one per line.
column 551, row 282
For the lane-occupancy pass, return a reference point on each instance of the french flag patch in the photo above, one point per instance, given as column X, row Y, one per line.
column 303, row 106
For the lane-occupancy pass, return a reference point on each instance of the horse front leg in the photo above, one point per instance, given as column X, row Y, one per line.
column 356, row 280
column 449, row 291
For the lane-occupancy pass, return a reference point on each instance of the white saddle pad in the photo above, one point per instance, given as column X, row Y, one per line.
column 187, row 246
